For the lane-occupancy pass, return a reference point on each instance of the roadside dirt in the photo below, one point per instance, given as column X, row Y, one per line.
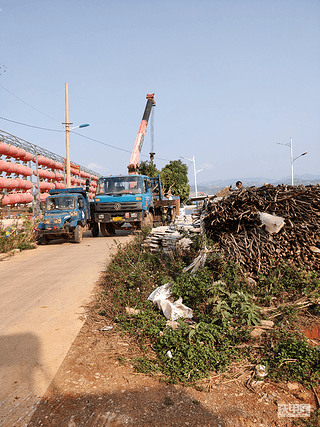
column 93, row 388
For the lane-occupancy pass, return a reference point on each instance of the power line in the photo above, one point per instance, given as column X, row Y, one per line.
column 31, row 126
column 28, row 104
column 78, row 134
column 112, row 146
column 55, row 130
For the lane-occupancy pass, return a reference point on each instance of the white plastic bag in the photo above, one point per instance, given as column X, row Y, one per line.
column 171, row 310
column 273, row 223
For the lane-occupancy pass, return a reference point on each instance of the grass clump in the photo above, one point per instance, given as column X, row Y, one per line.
column 16, row 237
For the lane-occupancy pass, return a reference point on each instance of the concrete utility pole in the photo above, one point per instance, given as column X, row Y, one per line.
column 67, row 138
column 68, row 129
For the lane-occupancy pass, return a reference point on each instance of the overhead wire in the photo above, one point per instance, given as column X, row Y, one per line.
column 112, row 146
column 28, row 104
column 78, row 134
column 31, row 126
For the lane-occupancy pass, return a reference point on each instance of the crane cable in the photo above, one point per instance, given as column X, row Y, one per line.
column 152, row 153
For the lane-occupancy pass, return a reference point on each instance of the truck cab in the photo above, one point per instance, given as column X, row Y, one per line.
column 67, row 214
column 123, row 199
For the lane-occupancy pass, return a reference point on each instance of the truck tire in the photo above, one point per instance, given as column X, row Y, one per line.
column 44, row 240
column 107, row 229
column 147, row 221
column 77, row 237
column 95, row 229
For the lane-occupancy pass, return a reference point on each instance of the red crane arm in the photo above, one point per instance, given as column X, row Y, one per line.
column 135, row 156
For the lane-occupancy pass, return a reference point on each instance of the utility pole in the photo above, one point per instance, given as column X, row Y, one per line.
column 67, row 137
column 291, row 153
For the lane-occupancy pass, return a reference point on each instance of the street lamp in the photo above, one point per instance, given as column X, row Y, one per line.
column 291, row 156
column 68, row 129
column 194, row 171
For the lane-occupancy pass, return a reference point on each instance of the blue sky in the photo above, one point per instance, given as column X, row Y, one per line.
column 232, row 78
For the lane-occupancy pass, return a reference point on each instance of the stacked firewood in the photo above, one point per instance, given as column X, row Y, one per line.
column 234, row 224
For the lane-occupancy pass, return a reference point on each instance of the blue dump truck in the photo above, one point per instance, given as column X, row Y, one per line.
column 132, row 202
column 67, row 214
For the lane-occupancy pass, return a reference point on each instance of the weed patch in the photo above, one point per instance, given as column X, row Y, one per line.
column 15, row 237
column 225, row 305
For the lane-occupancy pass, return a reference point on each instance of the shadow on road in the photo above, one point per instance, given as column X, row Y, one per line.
column 87, row 234
column 20, row 363
column 147, row 408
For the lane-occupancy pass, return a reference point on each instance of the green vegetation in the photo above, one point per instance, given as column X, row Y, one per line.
column 174, row 177
column 225, row 305
column 14, row 237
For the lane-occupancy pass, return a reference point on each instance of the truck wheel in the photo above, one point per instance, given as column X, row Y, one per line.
column 77, row 237
column 147, row 221
column 44, row 240
column 95, row 229
column 107, row 229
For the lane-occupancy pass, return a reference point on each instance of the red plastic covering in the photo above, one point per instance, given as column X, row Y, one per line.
column 12, row 151
column 43, row 161
column 59, row 166
column 59, row 176
column 59, row 185
column 44, row 173
column 20, row 154
column 28, row 157
column 8, row 183
column 4, row 166
column 4, row 148
column 25, row 170
column 24, row 184
column 4, row 200
column 12, row 168
column 45, row 186
column 43, row 196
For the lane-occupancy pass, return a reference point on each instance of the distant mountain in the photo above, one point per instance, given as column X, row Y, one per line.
column 212, row 187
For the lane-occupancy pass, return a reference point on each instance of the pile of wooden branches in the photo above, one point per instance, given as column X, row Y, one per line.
column 234, row 224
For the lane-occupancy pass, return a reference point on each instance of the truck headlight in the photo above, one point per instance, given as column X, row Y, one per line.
column 73, row 213
column 57, row 220
column 46, row 221
column 134, row 215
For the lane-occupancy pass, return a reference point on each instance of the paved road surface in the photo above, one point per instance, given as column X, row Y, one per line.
column 42, row 292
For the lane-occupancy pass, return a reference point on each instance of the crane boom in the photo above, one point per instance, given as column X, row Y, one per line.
column 135, row 156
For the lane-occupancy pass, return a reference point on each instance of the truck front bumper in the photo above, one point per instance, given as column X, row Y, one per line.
column 118, row 217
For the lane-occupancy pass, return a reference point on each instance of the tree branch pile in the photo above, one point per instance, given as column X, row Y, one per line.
column 234, row 224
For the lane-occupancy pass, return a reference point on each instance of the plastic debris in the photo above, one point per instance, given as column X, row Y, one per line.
column 169, row 354
column 171, row 310
column 273, row 223
column 197, row 262
column 106, row 328
column 261, row 371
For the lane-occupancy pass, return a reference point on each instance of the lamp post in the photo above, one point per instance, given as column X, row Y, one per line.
column 68, row 129
column 194, row 171
column 291, row 156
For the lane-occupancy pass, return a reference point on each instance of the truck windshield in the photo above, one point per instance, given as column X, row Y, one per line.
column 120, row 185
column 60, row 203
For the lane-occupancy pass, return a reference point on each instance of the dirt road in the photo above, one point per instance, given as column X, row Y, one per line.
column 42, row 292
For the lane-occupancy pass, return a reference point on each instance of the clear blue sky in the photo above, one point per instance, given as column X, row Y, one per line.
column 232, row 78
